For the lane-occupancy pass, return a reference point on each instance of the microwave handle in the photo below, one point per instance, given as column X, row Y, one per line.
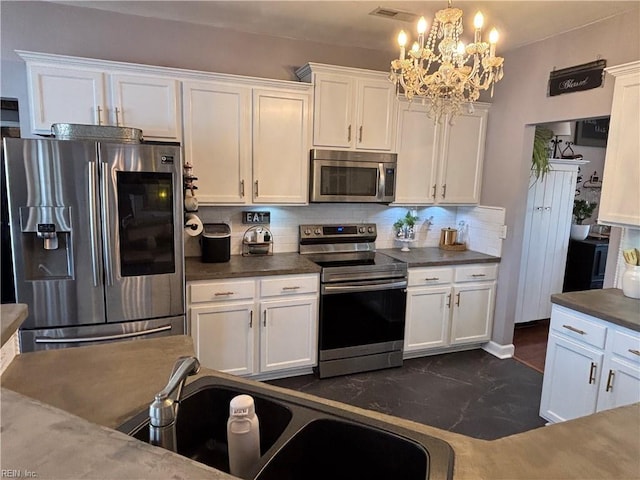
column 382, row 178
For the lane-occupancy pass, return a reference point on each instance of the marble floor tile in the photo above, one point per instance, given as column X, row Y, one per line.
column 472, row 393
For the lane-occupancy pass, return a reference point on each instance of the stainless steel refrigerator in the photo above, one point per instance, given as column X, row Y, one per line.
column 97, row 239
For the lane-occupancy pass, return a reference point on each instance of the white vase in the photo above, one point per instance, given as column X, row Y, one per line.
column 579, row 232
column 631, row 281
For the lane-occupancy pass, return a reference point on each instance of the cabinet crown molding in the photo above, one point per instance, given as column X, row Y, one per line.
column 623, row 69
column 304, row 72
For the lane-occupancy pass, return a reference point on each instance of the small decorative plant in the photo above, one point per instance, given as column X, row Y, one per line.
column 540, row 158
column 583, row 210
column 404, row 227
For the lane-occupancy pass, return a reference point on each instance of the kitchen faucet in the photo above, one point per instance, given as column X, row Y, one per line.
column 163, row 411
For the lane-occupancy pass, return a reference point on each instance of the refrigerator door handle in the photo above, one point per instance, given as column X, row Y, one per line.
column 93, row 220
column 103, row 338
column 106, row 238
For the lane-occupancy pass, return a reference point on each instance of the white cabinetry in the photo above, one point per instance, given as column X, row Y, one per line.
column 591, row 365
column 449, row 306
column 259, row 326
column 546, row 239
column 248, row 142
column 440, row 163
column 72, row 90
column 620, row 199
column 353, row 108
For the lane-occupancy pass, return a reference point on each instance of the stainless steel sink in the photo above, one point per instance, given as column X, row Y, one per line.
column 300, row 439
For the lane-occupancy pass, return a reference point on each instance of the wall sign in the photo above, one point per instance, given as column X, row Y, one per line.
column 254, row 218
column 592, row 132
column 577, row 78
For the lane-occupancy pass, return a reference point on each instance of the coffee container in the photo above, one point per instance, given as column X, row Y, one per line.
column 448, row 236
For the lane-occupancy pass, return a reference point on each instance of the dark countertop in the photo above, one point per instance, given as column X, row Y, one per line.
column 12, row 316
column 108, row 383
column 608, row 304
column 239, row 266
column 434, row 257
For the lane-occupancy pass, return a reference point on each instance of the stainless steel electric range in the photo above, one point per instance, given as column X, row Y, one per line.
column 362, row 299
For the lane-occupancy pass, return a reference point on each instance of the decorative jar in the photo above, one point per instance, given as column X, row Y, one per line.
column 631, row 281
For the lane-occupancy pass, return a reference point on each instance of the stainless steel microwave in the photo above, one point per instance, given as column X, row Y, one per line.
column 348, row 176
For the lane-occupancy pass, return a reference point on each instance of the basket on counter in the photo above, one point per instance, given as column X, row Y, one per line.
column 257, row 240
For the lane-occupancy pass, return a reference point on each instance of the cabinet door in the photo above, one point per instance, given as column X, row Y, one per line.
column 217, row 140
column 619, row 385
column 65, row 95
column 571, row 380
column 462, row 157
column 427, row 324
column 148, row 103
column 223, row 336
column 375, row 115
column 472, row 316
column 417, row 149
column 333, row 111
column 289, row 333
column 620, row 198
column 280, row 147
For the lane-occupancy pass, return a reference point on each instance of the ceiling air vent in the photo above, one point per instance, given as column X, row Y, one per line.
column 393, row 14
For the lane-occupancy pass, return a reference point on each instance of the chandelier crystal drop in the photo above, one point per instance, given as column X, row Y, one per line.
column 441, row 70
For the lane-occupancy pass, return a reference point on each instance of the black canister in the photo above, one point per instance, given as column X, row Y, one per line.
column 215, row 242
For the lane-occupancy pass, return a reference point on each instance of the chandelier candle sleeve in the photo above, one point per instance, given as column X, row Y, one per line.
column 441, row 70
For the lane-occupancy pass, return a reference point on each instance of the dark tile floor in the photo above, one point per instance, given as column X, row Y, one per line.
column 472, row 393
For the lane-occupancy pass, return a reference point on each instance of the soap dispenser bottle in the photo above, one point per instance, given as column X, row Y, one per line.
column 243, row 436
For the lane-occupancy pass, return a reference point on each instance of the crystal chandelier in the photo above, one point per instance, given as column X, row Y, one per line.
column 437, row 70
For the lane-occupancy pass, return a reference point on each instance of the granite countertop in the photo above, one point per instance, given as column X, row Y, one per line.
column 11, row 315
column 108, row 383
column 434, row 256
column 608, row 304
column 239, row 266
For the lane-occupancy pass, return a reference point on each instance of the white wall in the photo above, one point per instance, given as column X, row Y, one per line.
column 520, row 101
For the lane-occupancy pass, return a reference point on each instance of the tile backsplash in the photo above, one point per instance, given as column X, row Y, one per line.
column 485, row 224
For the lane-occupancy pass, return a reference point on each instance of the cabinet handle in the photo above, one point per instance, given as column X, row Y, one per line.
column 476, row 275
column 610, row 381
column 223, row 294
column 635, row 352
column 592, row 373
column 458, row 299
column 574, row 329
column 242, row 188
column 349, row 133
column 434, row 191
column 444, row 190
column 429, row 279
column 449, row 301
column 256, row 189
column 117, row 117
column 99, row 111
column 251, row 319
column 360, row 134
column 264, row 318
column 290, row 288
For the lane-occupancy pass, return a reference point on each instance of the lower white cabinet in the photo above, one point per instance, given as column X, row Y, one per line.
column 449, row 306
column 591, row 365
column 254, row 326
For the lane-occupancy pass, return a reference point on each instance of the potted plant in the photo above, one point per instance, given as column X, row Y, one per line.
column 540, row 165
column 582, row 210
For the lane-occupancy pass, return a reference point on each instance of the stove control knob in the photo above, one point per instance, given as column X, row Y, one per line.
column 361, row 229
column 307, row 231
column 317, row 231
column 371, row 229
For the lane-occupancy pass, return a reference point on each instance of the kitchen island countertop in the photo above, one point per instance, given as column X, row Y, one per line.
column 108, row 383
column 607, row 304
column 11, row 317
column 434, row 257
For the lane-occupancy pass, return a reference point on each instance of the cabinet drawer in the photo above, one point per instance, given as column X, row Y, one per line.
column 429, row 276
column 288, row 285
column 221, row 291
column 568, row 323
column 475, row 273
column 627, row 345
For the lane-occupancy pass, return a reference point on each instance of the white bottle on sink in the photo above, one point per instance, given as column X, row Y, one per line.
column 243, row 436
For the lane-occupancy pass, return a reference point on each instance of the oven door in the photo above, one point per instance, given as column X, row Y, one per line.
column 347, row 181
column 362, row 318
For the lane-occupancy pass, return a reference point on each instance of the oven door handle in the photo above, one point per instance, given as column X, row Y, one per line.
column 363, row 287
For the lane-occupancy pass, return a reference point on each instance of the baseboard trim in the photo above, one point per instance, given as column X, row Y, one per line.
column 498, row 350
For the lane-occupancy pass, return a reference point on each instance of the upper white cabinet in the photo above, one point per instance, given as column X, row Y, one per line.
column 440, row 163
column 620, row 199
column 248, row 142
column 353, row 108
column 92, row 92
